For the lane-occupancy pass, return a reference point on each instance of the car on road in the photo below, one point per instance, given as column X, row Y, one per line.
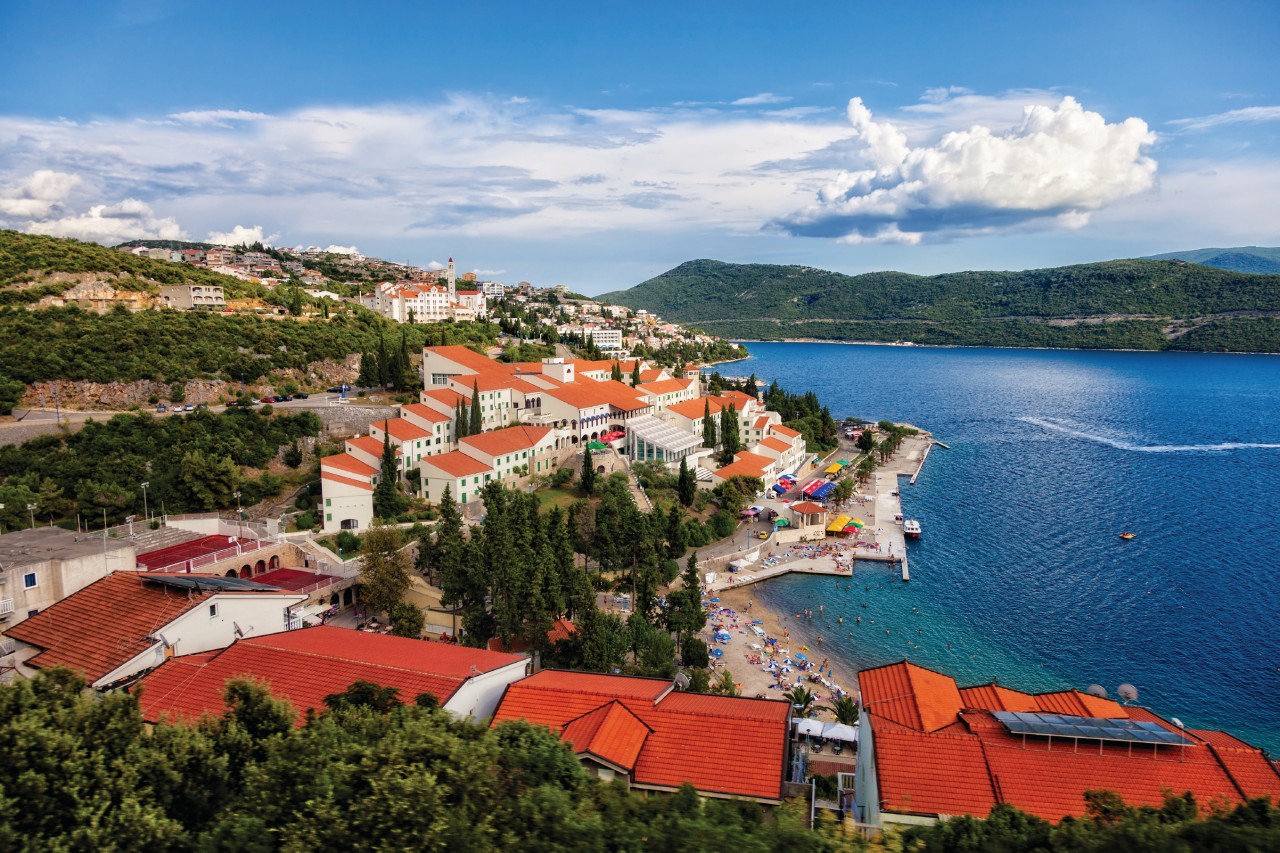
column 162, row 408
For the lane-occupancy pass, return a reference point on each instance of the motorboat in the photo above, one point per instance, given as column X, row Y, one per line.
column 1127, row 535
column 911, row 528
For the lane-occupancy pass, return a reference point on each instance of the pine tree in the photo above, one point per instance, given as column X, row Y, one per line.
column 588, row 473
column 708, row 426
column 475, row 425
column 384, row 569
column 686, row 483
column 677, row 539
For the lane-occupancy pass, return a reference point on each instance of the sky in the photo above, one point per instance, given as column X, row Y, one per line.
column 599, row 144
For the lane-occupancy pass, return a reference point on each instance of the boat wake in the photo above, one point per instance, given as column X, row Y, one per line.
column 1121, row 444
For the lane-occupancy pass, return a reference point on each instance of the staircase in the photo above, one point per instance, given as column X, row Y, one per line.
column 145, row 541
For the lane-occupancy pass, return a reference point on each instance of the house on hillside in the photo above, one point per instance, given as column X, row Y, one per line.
column 43, row 565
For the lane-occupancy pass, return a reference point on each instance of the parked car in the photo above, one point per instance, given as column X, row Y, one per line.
column 188, row 408
column 301, row 396
column 162, row 408
column 268, row 399
column 338, row 389
column 202, row 405
column 285, row 398
column 255, row 402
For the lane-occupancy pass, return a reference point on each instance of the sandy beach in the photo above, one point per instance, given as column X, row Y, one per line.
column 739, row 614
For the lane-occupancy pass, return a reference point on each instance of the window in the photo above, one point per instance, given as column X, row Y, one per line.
column 30, row 581
column 328, row 516
column 328, row 501
column 213, row 610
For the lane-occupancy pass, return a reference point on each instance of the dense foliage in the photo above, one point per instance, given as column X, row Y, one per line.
column 1109, row 824
column 22, row 254
column 1136, row 298
column 192, row 463
column 67, row 343
column 82, row 772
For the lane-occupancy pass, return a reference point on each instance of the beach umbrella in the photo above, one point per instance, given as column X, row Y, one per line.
column 840, row 731
column 808, row 727
column 715, row 653
column 714, row 600
column 799, row 656
column 857, row 522
column 781, row 522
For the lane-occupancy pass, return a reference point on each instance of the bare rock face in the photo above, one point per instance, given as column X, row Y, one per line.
column 112, row 396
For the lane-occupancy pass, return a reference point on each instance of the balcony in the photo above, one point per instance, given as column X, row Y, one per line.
column 6, row 608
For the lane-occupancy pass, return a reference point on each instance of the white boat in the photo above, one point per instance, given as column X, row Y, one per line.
column 911, row 528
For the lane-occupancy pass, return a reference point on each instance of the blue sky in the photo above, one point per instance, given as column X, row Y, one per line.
column 599, row 144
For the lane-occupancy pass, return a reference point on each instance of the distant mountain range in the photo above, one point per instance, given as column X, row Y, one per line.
column 1127, row 304
column 1250, row 259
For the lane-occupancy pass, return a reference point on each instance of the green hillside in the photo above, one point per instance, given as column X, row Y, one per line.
column 31, row 258
column 1247, row 259
column 1138, row 304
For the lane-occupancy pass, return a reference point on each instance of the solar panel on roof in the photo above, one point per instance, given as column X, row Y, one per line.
column 1092, row 728
column 209, row 582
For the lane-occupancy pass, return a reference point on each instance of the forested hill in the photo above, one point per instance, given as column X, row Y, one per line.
column 1250, row 259
column 1138, row 304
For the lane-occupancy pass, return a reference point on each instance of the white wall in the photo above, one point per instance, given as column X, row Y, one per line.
column 478, row 697
column 197, row 631
column 340, row 501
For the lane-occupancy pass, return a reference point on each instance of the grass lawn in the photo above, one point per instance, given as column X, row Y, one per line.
column 553, row 497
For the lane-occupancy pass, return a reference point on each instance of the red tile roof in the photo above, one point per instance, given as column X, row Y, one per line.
column 448, row 396
column 348, row 463
column 369, row 444
column 664, row 386
column 932, row 757
column 787, row 431
column 610, row 732
column 776, row 444
column 365, row 485
column 719, row 744
column 745, row 464
column 401, row 430
column 697, row 407
column 456, row 464
column 500, row 442
column 425, row 412
column 469, row 359
column 304, row 666
column 585, row 395
column 104, row 625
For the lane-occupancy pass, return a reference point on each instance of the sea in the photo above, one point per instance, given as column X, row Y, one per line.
column 1020, row 576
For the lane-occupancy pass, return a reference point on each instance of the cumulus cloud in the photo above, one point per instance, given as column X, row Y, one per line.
column 241, row 236
column 130, row 219
column 1246, row 115
column 342, row 250
column 760, row 100
column 222, row 118
column 488, row 273
column 37, row 195
column 434, row 265
column 1059, row 164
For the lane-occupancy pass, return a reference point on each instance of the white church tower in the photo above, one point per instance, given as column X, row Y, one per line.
column 453, row 283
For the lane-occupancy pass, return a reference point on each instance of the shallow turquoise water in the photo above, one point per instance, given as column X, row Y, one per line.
column 1020, row 574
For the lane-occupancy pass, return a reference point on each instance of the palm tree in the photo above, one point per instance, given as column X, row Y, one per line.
column 801, row 700
column 846, row 710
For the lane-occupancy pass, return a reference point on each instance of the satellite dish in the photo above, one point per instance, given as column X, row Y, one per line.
column 163, row 641
column 1177, row 722
column 1096, row 690
column 1127, row 692
column 237, row 630
column 682, row 681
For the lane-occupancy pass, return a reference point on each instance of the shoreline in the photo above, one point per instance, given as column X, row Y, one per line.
column 914, row 345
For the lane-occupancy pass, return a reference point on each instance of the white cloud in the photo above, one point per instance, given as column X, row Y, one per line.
column 488, row 273
column 241, row 236
column 342, row 250
column 221, row 118
column 1060, row 164
column 37, row 195
column 938, row 94
column 1246, row 115
column 130, row 219
column 760, row 100
column 434, row 265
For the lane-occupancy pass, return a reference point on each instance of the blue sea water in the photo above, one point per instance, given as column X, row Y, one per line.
column 1020, row 575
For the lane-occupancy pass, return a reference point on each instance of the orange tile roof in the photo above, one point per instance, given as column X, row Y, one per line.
column 610, row 732
column 745, row 464
column 502, row 441
column 456, row 464
column 425, row 412
column 302, row 667
column 782, row 430
column 468, row 358
column 369, row 444
column 104, row 625
column 934, row 759
column 401, row 430
column 738, row 397
column 808, row 508
column 776, row 444
column 653, row 374
column 718, row 744
column 761, row 422
column 350, row 464
column 350, row 481
column 448, row 396
column 585, row 395
column 663, row 386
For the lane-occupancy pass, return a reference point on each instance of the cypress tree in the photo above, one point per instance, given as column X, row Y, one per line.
column 708, row 426
column 475, row 425
column 386, row 503
column 686, row 483
column 588, row 473
column 635, row 374
column 729, row 441
column 616, row 373
column 384, row 363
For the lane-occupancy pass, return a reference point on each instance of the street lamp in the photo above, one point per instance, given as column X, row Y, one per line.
column 129, row 521
column 145, row 514
column 31, row 508
column 1, row 521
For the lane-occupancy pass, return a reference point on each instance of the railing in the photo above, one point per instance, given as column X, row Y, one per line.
column 214, row 557
column 6, row 606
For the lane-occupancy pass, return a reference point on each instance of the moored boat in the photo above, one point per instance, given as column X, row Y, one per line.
column 911, row 528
